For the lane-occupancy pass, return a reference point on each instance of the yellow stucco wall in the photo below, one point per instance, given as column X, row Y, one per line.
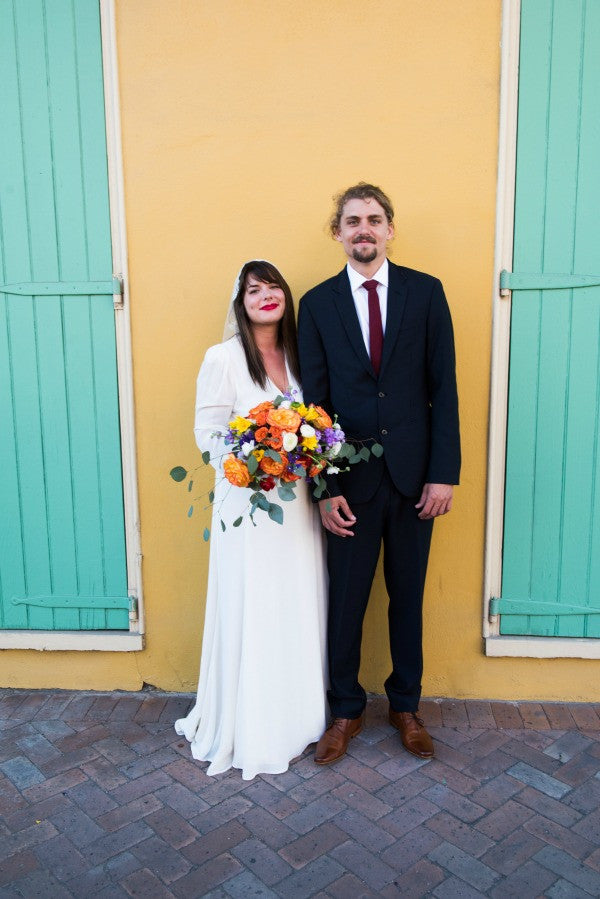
column 240, row 120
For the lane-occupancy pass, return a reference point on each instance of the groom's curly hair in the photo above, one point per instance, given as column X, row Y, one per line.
column 360, row 191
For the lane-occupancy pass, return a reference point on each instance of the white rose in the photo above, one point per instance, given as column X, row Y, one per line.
column 307, row 431
column 285, row 404
column 290, row 441
column 247, row 447
column 333, row 470
column 335, row 448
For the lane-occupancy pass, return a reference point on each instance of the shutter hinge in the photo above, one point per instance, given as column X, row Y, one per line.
column 118, row 292
column 133, row 610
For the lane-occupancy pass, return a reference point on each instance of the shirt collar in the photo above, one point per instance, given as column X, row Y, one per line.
column 357, row 280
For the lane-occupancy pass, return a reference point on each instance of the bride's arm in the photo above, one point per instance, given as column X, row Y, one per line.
column 215, row 399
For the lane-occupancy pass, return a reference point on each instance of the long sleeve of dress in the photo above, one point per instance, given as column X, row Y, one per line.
column 215, row 399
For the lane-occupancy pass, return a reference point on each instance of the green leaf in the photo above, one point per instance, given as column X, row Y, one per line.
column 211, row 496
column 319, row 491
column 286, row 493
column 206, row 535
column 278, row 400
column 365, row 453
column 275, row 513
column 252, row 463
column 190, row 511
column 238, row 522
column 262, row 502
column 345, row 450
column 273, row 454
column 377, row 450
column 354, row 459
column 223, row 528
column 206, row 457
column 178, row 473
column 254, row 497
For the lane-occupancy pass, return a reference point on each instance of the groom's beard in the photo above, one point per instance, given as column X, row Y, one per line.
column 364, row 254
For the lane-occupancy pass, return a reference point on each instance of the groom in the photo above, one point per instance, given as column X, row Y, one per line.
column 376, row 347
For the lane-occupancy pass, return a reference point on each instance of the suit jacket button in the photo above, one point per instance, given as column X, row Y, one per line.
column 383, row 431
column 381, row 393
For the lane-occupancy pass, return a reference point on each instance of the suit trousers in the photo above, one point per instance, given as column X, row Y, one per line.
column 391, row 518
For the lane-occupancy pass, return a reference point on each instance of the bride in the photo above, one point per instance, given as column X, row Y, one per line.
column 261, row 691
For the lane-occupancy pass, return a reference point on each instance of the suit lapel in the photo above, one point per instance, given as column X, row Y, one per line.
column 345, row 305
column 396, row 301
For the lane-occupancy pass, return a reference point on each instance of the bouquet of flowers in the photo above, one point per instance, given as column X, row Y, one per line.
column 277, row 444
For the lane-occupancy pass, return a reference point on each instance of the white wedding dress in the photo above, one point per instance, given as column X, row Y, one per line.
column 261, row 692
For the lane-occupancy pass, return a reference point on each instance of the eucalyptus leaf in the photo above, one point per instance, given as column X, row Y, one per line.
column 178, row 473
column 286, row 493
column 275, row 513
column 354, row 459
column 273, row 454
column 206, row 457
column 365, row 453
column 206, row 535
column 377, row 450
column 278, row 400
column 237, row 522
column 223, row 528
column 211, row 496
column 319, row 491
column 262, row 502
column 254, row 497
column 252, row 464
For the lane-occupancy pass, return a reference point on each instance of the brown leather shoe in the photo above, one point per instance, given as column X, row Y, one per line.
column 414, row 737
column 334, row 742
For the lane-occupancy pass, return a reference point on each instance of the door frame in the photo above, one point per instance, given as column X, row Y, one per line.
column 495, row 644
column 133, row 639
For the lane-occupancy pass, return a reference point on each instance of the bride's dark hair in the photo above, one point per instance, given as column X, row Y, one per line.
column 287, row 339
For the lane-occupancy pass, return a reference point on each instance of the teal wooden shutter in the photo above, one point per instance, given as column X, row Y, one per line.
column 551, row 553
column 62, row 539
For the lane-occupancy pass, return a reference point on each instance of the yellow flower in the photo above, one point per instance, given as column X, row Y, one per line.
column 258, row 454
column 311, row 414
column 309, row 443
column 302, row 410
column 240, row 424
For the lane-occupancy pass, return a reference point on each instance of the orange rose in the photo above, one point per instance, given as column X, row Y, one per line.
column 316, row 469
column 323, row 421
column 270, row 466
column 286, row 419
column 236, row 472
column 259, row 413
column 274, row 440
column 289, row 476
column 260, row 434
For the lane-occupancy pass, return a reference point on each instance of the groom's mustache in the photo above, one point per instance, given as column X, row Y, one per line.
column 362, row 238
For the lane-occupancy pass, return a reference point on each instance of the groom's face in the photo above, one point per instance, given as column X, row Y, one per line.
column 364, row 231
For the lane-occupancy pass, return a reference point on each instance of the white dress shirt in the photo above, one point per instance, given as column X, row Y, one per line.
column 361, row 297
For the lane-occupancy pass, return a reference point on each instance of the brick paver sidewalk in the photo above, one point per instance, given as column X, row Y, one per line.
column 99, row 797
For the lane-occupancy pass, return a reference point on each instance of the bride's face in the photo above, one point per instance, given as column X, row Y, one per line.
column 264, row 303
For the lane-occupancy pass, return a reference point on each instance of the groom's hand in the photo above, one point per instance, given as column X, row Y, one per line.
column 436, row 499
column 337, row 516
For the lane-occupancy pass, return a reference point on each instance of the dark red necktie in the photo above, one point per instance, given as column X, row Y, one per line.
column 375, row 326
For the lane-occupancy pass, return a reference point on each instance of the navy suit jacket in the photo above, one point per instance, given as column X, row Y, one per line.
column 411, row 408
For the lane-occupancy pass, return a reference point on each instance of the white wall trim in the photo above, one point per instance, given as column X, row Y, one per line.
column 122, row 316
column 103, row 641
column 543, row 647
column 509, row 87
